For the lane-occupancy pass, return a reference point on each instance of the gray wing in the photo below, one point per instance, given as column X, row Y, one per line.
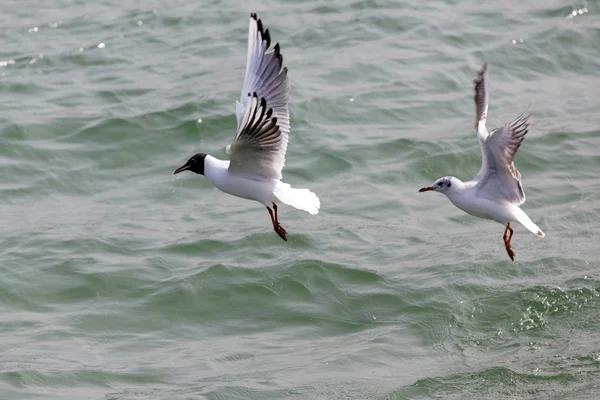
column 501, row 181
column 257, row 150
column 481, row 108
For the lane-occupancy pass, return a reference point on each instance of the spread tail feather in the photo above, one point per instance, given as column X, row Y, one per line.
column 527, row 223
column 302, row 199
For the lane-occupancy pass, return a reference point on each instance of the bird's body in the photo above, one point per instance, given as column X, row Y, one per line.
column 496, row 191
column 462, row 195
column 265, row 191
column 217, row 173
column 257, row 154
column 465, row 197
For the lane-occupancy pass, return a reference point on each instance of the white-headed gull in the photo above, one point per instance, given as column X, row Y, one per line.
column 496, row 191
column 257, row 154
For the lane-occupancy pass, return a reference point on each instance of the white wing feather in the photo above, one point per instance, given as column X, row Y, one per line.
column 502, row 180
column 481, row 108
column 256, row 150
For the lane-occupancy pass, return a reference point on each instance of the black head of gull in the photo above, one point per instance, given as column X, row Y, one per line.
column 194, row 164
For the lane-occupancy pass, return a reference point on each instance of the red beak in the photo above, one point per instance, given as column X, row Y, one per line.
column 181, row 169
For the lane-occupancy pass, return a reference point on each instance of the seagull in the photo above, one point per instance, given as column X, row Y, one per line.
column 257, row 153
column 496, row 191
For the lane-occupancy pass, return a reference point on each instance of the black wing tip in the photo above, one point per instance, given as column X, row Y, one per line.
column 523, row 119
column 480, row 74
column 479, row 91
column 482, row 71
column 260, row 26
column 520, row 127
column 278, row 55
column 264, row 33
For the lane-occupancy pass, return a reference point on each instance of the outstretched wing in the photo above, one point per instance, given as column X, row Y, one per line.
column 502, row 180
column 260, row 143
column 481, row 108
column 257, row 149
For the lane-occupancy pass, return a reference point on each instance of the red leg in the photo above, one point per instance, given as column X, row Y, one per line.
column 509, row 250
column 274, row 219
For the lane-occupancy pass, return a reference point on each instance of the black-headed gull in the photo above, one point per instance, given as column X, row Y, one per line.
column 496, row 191
column 257, row 154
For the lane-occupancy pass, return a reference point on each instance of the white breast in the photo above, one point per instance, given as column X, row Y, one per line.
column 217, row 172
column 481, row 207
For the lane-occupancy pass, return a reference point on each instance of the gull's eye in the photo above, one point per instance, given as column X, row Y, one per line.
column 440, row 184
column 193, row 160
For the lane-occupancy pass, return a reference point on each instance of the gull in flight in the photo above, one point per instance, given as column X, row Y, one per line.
column 496, row 191
column 257, row 154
